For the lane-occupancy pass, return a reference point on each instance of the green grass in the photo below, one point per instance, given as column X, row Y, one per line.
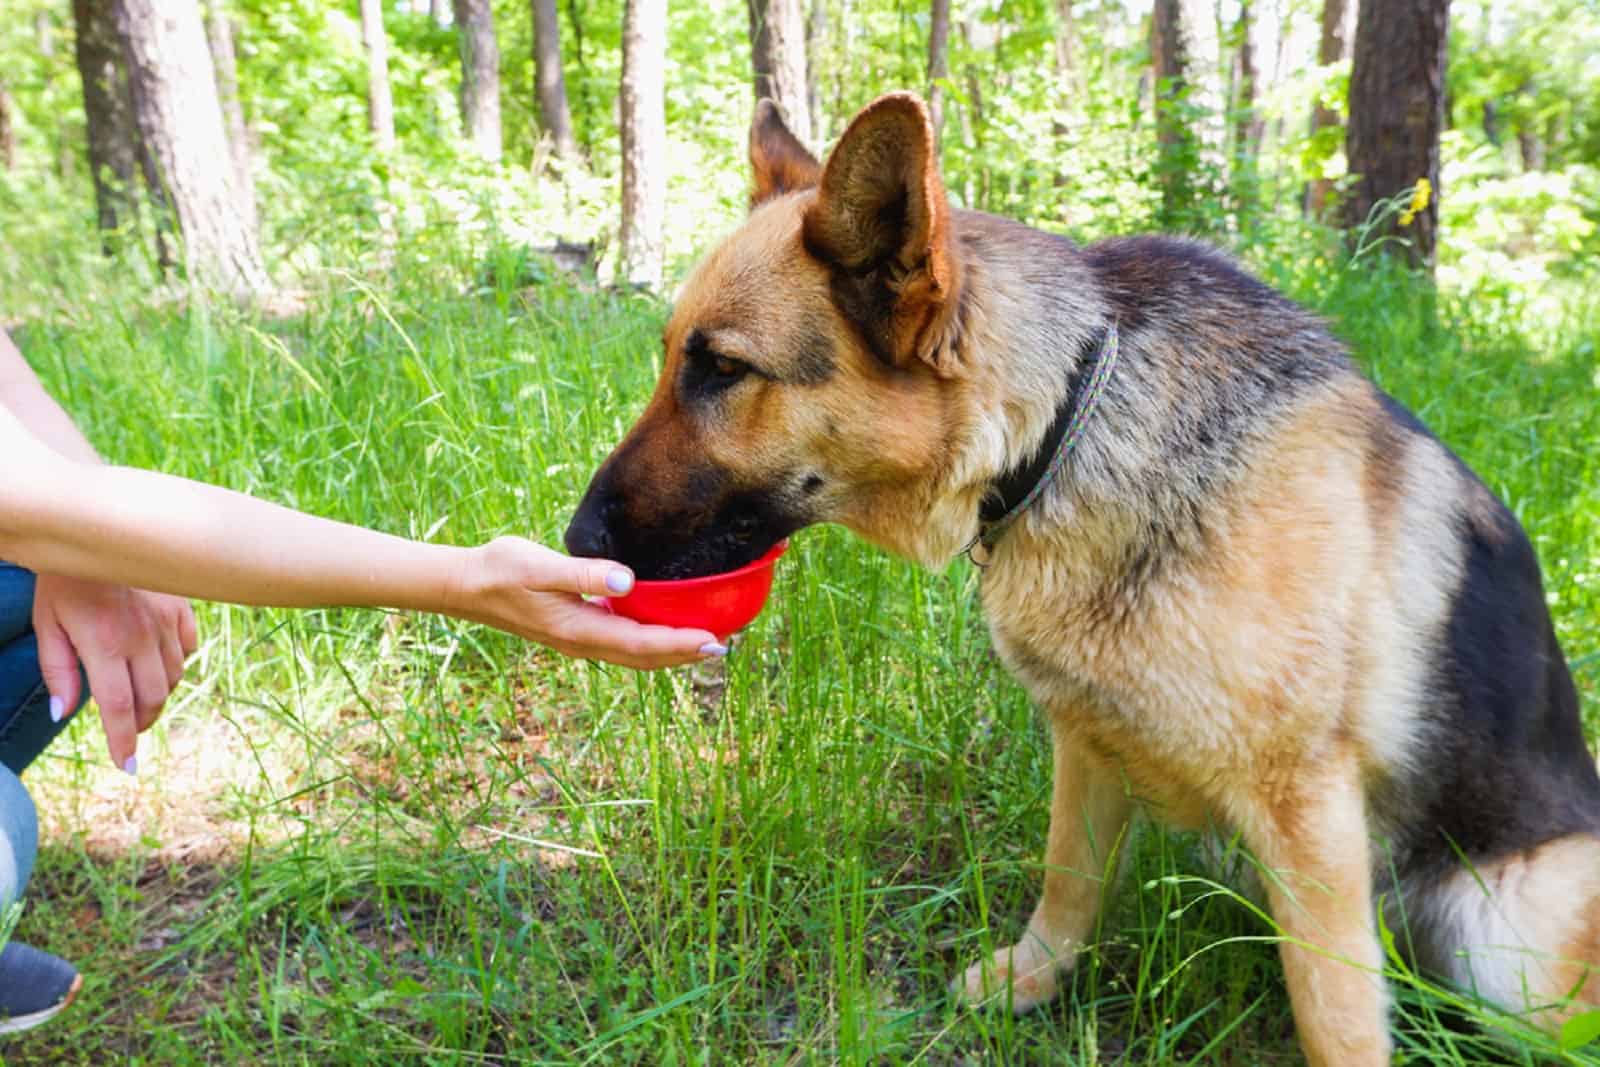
column 361, row 838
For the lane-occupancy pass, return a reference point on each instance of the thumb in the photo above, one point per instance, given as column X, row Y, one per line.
column 58, row 664
column 588, row 577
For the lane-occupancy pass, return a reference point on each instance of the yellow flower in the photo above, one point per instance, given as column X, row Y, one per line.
column 1420, row 194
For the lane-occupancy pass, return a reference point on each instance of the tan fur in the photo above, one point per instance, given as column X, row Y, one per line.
column 1266, row 680
column 1089, row 809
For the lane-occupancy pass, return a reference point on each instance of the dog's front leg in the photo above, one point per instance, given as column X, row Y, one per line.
column 1311, row 835
column 1089, row 807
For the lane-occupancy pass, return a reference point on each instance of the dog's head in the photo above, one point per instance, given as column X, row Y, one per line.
column 810, row 373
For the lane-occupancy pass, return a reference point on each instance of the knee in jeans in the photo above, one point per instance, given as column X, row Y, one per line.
column 19, row 836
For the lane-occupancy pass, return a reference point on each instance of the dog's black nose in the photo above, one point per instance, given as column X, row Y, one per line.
column 589, row 532
column 587, row 535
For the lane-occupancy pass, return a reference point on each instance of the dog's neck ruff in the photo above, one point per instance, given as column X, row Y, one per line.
column 1016, row 490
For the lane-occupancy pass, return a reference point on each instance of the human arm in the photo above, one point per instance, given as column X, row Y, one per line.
column 22, row 394
column 131, row 643
column 159, row 532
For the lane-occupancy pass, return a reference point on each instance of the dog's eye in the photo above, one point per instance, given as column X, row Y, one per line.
column 707, row 372
column 729, row 370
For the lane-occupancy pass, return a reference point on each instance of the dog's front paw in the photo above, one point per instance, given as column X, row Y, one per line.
column 1024, row 976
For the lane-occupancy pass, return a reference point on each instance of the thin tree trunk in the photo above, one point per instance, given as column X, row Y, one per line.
column 1396, row 113
column 1334, row 47
column 644, row 142
column 938, row 63
column 1176, row 145
column 1189, row 119
column 1069, row 84
column 66, row 147
column 816, row 36
column 1246, row 124
column 585, row 131
column 778, row 55
column 1531, row 148
column 554, row 114
column 221, row 31
column 480, row 77
column 845, row 32
column 1491, row 122
column 174, row 90
column 439, row 11
column 973, row 129
column 1066, row 52
column 44, row 33
column 380, row 117
column 380, row 104
column 113, row 136
column 8, row 129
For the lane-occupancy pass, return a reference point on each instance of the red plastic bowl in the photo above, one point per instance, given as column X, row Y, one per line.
column 722, row 603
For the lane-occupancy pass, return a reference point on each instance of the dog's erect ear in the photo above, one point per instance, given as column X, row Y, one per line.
column 781, row 163
column 882, row 221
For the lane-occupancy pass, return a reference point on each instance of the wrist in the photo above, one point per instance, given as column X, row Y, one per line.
column 460, row 582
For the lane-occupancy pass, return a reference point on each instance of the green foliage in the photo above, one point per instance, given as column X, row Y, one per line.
column 453, row 846
column 1523, row 74
column 1522, row 192
column 446, row 846
column 1076, row 153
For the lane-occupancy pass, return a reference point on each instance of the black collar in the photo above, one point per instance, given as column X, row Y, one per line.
column 1011, row 491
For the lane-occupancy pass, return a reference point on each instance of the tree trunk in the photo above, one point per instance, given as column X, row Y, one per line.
column 973, row 129
column 8, row 129
column 480, row 77
column 1175, row 143
column 938, row 63
column 1334, row 48
column 1067, row 51
column 816, row 42
column 380, row 105
column 1189, row 119
column 778, row 54
column 585, row 130
column 1531, row 148
column 1396, row 112
column 846, row 30
column 1246, row 124
column 174, row 91
column 44, row 33
column 644, row 143
column 113, row 137
column 554, row 114
column 221, row 31
column 439, row 11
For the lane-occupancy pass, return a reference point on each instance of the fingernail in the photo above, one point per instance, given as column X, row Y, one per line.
column 58, row 708
column 619, row 582
column 132, row 765
column 713, row 648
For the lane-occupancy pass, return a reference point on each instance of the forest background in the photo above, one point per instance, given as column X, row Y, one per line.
column 405, row 264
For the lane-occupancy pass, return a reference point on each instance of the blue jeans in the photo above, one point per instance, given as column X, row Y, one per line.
column 25, row 728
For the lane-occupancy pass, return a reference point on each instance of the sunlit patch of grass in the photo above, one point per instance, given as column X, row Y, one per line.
column 429, row 842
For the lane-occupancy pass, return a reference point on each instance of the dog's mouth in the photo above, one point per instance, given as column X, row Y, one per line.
column 703, row 559
column 684, row 543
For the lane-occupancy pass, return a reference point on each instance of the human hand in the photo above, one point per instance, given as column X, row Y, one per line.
column 132, row 645
column 529, row 590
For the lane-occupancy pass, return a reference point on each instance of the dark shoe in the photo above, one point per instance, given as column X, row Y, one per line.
column 34, row 987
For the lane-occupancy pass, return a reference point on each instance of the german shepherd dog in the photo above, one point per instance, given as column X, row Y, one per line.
column 1259, row 595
